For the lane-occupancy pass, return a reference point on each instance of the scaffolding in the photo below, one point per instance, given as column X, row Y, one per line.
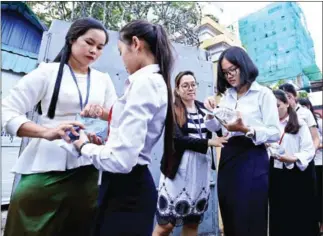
column 278, row 41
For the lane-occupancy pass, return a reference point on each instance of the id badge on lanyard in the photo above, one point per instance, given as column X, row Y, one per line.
column 88, row 86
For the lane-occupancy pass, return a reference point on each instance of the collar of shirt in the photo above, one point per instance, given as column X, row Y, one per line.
column 282, row 125
column 153, row 68
column 284, row 121
column 254, row 87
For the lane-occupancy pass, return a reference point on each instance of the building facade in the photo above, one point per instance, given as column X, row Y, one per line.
column 21, row 35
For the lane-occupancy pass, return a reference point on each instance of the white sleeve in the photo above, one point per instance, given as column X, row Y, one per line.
column 310, row 120
column 269, row 132
column 120, row 154
column 22, row 98
column 110, row 93
column 214, row 125
column 307, row 150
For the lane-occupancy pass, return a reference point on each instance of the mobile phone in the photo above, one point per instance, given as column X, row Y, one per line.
column 72, row 136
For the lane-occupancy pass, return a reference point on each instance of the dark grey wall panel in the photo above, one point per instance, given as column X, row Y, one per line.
column 187, row 58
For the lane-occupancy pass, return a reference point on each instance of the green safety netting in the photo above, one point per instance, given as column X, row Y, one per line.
column 277, row 39
column 313, row 72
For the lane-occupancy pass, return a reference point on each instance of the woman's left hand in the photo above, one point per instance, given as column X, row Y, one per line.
column 237, row 126
column 287, row 159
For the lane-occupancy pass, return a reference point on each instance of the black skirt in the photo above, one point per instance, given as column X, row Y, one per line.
column 243, row 187
column 127, row 204
column 292, row 201
column 319, row 179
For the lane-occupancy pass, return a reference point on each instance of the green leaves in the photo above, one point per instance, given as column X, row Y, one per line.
column 179, row 18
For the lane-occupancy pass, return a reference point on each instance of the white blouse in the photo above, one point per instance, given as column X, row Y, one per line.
column 42, row 155
column 319, row 153
column 258, row 107
column 299, row 145
column 306, row 115
column 138, row 119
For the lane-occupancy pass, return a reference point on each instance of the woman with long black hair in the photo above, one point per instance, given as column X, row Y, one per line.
column 292, row 195
column 128, row 196
column 57, row 193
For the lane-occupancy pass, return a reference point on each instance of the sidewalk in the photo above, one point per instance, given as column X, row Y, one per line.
column 3, row 220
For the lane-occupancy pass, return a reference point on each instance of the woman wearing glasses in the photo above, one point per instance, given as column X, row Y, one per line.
column 184, row 186
column 244, row 162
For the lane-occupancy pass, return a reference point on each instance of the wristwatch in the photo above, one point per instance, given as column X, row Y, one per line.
column 83, row 144
column 250, row 133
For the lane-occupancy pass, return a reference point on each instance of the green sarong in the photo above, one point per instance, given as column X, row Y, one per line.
column 55, row 203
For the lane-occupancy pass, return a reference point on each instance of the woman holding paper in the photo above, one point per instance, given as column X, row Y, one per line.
column 292, row 177
column 244, row 162
column 57, row 193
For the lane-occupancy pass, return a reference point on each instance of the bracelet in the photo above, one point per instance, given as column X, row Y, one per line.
column 83, row 144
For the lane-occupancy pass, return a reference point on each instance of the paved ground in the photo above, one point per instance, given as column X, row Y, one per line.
column 4, row 217
column 3, row 220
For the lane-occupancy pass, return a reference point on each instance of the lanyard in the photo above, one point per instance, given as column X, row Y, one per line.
column 78, row 89
column 199, row 129
column 281, row 138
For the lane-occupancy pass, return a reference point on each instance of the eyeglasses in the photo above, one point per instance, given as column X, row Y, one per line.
column 187, row 86
column 231, row 71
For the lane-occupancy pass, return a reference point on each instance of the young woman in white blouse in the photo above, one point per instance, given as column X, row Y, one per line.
column 292, row 195
column 244, row 162
column 57, row 193
column 128, row 196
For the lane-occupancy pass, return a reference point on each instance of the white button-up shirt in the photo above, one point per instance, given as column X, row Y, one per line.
column 319, row 153
column 258, row 107
column 138, row 119
column 306, row 115
column 299, row 145
column 42, row 155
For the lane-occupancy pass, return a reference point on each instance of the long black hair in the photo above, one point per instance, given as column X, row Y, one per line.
column 306, row 102
column 156, row 38
column 292, row 126
column 238, row 57
column 77, row 29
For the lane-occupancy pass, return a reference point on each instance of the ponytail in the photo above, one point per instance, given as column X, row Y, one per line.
column 62, row 57
column 292, row 126
column 165, row 61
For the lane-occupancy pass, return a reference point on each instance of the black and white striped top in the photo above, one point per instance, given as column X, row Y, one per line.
column 195, row 122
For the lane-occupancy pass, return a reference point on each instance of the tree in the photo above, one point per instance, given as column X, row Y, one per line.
column 180, row 19
column 277, row 84
column 302, row 94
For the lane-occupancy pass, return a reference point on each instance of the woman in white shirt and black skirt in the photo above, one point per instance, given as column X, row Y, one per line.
column 292, row 192
column 244, row 162
column 128, row 196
